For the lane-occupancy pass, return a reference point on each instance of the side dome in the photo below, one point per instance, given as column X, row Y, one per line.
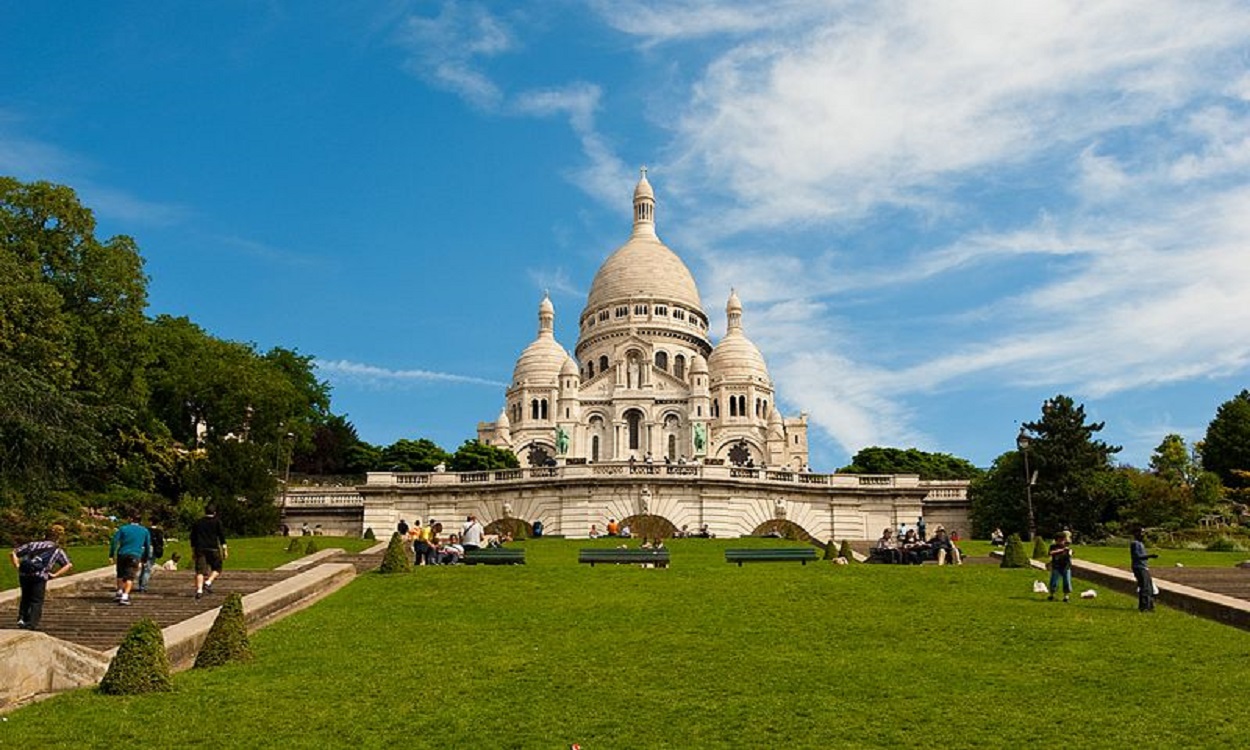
column 736, row 357
column 542, row 360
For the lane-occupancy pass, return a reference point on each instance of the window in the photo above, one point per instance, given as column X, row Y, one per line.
column 698, row 411
column 679, row 314
column 622, row 311
column 733, row 406
column 640, row 309
column 672, row 447
column 603, row 364
column 590, row 369
column 661, row 310
column 758, row 407
column 534, row 409
column 543, row 408
column 715, row 407
column 679, row 366
column 594, row 448
column 603, row 315
column 635, row 428
column 661, row 360
column 742, row 406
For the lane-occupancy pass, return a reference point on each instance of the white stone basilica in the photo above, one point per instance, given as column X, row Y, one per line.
column 645, row 379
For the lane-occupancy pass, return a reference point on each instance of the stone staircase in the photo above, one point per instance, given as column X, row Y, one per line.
column 81, row 615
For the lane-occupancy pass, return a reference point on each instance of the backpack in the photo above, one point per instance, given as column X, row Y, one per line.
column 35, row 564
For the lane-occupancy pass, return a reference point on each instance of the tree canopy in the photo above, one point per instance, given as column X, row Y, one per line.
column 1226, row 448
column 878, row 460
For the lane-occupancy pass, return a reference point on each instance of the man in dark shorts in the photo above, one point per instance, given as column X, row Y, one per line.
column 36, row 562
column 208, row 548
column 131, row 544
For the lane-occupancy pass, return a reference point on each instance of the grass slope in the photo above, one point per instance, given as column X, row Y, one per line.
column 704, row 654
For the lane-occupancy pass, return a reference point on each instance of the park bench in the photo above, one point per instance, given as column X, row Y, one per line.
column 494, row 556
column 775, row 554
column 657, row 557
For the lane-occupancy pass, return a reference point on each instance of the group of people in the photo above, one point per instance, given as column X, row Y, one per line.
column 1060, row 553
column 614, row 529
column 134, row 551
column 912, row 548
column 430, row 547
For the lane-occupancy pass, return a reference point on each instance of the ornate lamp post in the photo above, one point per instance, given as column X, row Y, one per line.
column 1022, row 443
column 290, row 451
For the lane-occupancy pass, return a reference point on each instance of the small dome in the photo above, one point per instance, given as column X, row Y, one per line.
column 542, row 360
column 736, row 357
column 503, row 422
column 643, row 190
column 698, row 365
column 570, row 367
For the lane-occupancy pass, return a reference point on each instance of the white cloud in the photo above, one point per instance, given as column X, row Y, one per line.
column 343, row 371
column 449, row 50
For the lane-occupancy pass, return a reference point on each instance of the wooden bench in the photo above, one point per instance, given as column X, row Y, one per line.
column 774, row 554
column 494, row 556
column 657, row 557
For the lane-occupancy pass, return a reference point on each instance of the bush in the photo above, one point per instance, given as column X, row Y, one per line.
column 1015, row 555
column 396, row 559
column 141, row 664
column 296, row 545
column 311, row 547
column 1041, row 550
column 369, row 534
column 227, row 640
column 1224, row 544
column 846, row 551
column 831, row 551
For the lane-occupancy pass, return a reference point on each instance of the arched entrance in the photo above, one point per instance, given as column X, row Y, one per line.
column 513, row 527
column 780, row 528
column 650, row 526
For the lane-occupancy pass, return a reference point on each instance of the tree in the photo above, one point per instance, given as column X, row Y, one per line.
column 413, row 455
column 1072, row 489
column 476, row 456
column 878, row 460
column 1226, row 448
column 1172, row 461
column 997, row 497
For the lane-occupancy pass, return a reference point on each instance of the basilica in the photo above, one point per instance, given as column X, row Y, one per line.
column 645, row 382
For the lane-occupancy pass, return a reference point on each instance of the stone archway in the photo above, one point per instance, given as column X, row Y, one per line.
column 514, row 527
column 783, row 529
column 647, row 526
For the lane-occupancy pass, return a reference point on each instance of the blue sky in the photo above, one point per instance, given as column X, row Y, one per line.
column 937, row 214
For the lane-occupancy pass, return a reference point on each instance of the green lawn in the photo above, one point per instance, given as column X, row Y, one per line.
column 704, row 654
column 257, row 553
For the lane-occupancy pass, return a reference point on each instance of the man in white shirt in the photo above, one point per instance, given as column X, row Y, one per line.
column 471, row 535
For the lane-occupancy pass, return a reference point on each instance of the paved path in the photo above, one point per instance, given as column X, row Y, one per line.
column 89, row 616
column 1234, row 582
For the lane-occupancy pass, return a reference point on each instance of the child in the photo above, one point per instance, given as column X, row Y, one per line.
column 1060, row 566
column 172, row 562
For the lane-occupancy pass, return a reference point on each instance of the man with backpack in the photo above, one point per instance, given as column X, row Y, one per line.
column 36, row 562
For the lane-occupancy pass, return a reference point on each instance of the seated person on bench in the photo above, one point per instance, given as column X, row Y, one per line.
column 945, row 548
column 914, row 550
column 887, row 548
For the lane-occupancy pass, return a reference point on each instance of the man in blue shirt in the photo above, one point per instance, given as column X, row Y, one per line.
column 131, row 544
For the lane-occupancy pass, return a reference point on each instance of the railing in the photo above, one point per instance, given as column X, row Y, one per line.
column 324, row 499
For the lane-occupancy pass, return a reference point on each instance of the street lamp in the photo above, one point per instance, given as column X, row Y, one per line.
column 1022, row 443
column 286, row 483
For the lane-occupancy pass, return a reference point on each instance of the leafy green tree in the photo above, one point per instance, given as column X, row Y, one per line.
column 1172, row 461
column 1226, row 448
column 236, row 476
column 878, row 460
column 413, row 455
column 1156, row 501
column 476, row 456
column 997, row 497
column 1074, row 488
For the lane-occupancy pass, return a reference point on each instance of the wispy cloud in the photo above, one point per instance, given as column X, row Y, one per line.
column 556, row 281
column 1133, row 138
column 344, row 371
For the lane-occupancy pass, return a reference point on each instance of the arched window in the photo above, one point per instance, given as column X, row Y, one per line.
column 715, row 408
column 594, row 448
column 733, row 406
column 672, row 447
column 603, row 363
column 661, row 360
column 634, row 418
column 766, row 412
column 757, row 407
column 534, row 409
column 543, row 408
column 742, row 406
column 679, row 366
column 590, row 369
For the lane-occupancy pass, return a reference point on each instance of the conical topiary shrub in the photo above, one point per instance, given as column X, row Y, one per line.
column 396, row 559
column 846, row 551
column 831, row 551
column 296, row 545
column 227, row 639
column 369, row 534
column 312, row 546
column 1041, row 550
column 1015, row 555
column 141, row 664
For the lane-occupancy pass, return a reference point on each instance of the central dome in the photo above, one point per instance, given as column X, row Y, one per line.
column 643, row 267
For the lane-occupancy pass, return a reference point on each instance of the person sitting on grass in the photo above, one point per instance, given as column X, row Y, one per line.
column 996, row 538
column 172, row 562
column 914, row 550
column 945, row 548
column 452, row 552
column 887, row 547
column 594, row 531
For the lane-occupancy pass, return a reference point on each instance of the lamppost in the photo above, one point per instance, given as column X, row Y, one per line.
column 1022, row 443
column 290, row 450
